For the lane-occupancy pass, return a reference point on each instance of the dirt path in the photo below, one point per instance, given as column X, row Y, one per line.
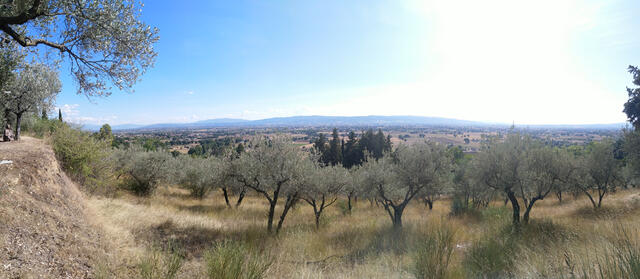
column 43, row 228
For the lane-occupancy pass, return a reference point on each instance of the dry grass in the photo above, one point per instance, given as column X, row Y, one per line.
column 359, row 245
column 45, row 231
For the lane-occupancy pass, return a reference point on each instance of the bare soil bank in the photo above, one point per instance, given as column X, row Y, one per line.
column 44, row 231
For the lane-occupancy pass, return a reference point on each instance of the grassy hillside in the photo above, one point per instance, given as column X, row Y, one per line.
column 564, row 240
column 51, row 229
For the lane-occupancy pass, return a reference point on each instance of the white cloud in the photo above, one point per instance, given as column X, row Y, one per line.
column 71, row 113
column 69, row 110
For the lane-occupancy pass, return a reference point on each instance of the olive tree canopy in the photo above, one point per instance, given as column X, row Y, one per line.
column 320, row 185
column 398, row 177
column 500, row 166
column 144, row 170
column 546, row 169
column 600, row 172
column 272, row 167
column 10, row 58
column 524, row 169
column 198, row 175
column 104, row 41
column 33, row 86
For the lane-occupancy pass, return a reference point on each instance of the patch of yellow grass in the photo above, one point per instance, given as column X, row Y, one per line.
column 359, row 245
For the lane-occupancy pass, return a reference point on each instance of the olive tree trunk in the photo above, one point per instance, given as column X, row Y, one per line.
column 516, row 208
column 18, row 122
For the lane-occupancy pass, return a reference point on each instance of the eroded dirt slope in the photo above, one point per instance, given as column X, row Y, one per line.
column 43, row 228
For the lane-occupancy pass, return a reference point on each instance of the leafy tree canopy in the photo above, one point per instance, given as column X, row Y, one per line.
column 632, row 106
column 104, row 41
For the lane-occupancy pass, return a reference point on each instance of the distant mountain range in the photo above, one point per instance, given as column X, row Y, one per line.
column 342, row 121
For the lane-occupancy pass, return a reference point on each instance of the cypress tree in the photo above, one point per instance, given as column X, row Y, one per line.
column 335, row 152
column 366, row 141
column 352, row 155
column 379, row 144
column 342, row 150
column 320, row 145
column 60, row 115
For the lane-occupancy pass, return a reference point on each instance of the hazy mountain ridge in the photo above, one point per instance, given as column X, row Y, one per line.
column 341, row 121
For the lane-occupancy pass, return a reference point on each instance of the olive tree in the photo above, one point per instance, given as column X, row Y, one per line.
column 144, row 169
column 10, row 58
column 352, row 188
column 426, row 167
column 499, row 167
column 198, row 175
column 397, row 178
column 321, row 185
column 33, row 86
column 104, row 41
column 524, row 169
column 271, row 167
column 231, row 180
column 378, row 181
column 546, row 169
column 466, row 188
column 599, row 172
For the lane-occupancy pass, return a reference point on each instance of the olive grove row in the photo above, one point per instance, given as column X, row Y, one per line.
column 516, row 169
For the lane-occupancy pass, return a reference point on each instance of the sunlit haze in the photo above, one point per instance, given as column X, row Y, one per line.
column 528, row 62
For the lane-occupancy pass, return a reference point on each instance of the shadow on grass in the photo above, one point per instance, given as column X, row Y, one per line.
column 493, row 255
column 608, row 211
column 365, row 242
column 204, row 209
column 194, row 240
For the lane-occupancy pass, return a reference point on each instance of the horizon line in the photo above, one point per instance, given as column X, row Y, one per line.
column 355, row 116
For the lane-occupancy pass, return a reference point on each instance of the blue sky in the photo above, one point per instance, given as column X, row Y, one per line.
column 530, row 62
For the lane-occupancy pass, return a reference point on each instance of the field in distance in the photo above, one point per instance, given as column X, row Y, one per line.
column 468, row 138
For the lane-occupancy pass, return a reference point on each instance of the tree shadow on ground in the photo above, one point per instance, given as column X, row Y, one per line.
column 193, row 241
column 204, row 209
column 607, row 212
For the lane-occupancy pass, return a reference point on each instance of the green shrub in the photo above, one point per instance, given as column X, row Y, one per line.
column 85, row 159
column 432, row 256
column 40, row 128
column 343, row 207
column 494, row 255
column 142, row 170
column 458, row 207
column 232, row 260
column 497, row 214
column 158, row 264
column 461, row 209
column 490, row 258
